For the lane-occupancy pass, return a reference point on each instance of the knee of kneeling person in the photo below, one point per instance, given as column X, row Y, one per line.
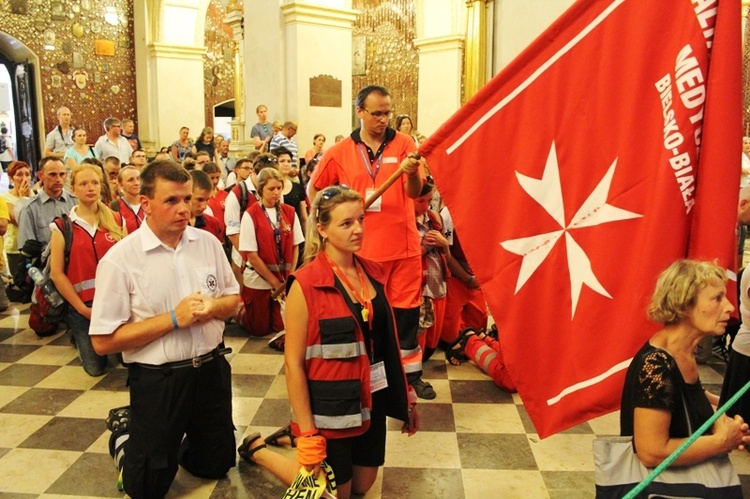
column 362, row 484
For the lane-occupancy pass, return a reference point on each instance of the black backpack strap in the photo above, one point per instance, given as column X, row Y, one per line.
column 243, row 197
column 67, row 231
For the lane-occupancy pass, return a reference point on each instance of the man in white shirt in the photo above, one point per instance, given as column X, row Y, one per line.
column 233, row 211
column 225, row 162
column 60, row 139
column 112, row 143
column 162, row 296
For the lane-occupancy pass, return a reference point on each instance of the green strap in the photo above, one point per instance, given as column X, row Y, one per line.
column 687, row 443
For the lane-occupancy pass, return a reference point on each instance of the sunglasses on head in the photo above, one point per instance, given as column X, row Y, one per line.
column 330, row 192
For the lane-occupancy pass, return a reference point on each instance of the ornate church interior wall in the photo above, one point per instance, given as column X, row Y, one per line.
column 218, row 65
column 86, row 56
column 385, row 32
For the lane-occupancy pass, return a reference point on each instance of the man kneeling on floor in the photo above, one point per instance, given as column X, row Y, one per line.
column 162, row 297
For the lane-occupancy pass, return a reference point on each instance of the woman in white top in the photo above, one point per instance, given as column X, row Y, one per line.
column 270, row 234
column 95, row 230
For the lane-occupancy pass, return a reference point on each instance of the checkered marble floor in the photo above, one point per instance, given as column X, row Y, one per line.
column 476, row 441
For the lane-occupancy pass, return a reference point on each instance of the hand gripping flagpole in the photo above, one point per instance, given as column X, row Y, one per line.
column 687, row 443
column 389, row 182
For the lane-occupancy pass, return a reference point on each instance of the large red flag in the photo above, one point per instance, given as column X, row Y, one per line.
column 606, row 150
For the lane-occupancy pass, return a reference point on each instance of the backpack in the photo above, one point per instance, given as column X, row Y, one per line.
column 243, row 195
column 3, row 144
column 30, row 255
column 43, row 316
column 244, row 199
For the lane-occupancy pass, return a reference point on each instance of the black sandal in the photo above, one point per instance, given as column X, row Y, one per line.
column 454, row 352
column 273, row 438
column 244, row 449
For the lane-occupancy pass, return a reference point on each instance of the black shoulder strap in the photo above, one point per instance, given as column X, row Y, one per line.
column 243, row 197
column 67, row 230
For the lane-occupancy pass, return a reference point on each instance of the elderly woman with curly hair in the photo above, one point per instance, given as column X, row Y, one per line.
column 663, row 400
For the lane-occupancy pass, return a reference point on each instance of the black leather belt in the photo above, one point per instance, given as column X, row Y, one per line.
column 195, row 362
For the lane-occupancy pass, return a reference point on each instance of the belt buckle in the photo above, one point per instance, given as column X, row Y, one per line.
column 197, row 362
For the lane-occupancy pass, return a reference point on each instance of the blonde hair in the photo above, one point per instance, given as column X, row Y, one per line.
column 324, row 203
column 678, row 286
column 104, row 215
column 265, row 176
column 124, row 170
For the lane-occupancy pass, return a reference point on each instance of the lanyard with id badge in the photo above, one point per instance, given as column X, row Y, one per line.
column 376, row 205
column 378, row 379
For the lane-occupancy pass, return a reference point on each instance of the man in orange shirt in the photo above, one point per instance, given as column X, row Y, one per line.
column 364, row 161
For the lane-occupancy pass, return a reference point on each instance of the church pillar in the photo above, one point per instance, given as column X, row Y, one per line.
column 240, row 144
column 169, row 64
column 318, row 68
column 440, row 41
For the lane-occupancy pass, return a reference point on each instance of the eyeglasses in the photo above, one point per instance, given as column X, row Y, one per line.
column 268, row 159
column 379, row 115
column 244, row 167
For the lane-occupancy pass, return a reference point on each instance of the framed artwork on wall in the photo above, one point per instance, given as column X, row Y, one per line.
column 359, row 55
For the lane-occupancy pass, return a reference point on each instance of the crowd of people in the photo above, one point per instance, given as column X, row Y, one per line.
column 154, row 255
column 164, row 254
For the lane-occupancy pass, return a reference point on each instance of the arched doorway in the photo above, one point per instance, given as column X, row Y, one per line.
column 20, row 108
column 223, row 116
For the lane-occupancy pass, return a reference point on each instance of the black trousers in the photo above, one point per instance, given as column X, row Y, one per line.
column 167, row 405
column 407, row 327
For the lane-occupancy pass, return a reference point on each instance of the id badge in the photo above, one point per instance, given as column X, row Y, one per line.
column 378, row 381
column 375, row 206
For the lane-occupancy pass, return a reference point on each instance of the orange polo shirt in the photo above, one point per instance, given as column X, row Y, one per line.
column 391, row 233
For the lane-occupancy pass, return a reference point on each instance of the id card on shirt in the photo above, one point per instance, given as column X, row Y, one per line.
column 378, row 381
column 375, row 206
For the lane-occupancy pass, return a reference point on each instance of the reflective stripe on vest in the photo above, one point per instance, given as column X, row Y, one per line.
column 405, row 354
column 412, row 360
column 336, row 351
column 485, row 355
column 83, row 286
column 342, row 422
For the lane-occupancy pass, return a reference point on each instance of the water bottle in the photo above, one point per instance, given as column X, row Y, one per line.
column 48, row 287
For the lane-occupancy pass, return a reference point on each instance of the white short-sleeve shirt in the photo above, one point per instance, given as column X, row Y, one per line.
column 447, row 224
column 248, row 242
column 232, row 217
column 140, row 278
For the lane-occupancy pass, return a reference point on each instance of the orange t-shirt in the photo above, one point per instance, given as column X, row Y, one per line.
column 391, row 233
